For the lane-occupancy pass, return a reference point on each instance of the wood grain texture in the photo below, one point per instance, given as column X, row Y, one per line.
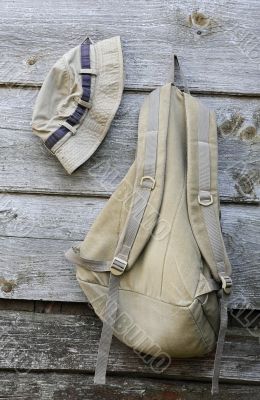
column 45, row 352
column 32, row 341
column 62, row 386
column 35, row 231
column 26, row 166
column 218, row 41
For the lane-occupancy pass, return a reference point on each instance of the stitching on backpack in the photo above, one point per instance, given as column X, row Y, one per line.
column 212, row 327
column 170, row 233
column 208, row 348
column 135, row 292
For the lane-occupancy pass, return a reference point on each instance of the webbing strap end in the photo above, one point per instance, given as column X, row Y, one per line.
column 220, row 343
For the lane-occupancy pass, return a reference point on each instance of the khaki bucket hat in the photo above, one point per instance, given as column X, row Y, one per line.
column 78, row 101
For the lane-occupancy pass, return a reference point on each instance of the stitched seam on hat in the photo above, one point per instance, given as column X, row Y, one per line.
column 69, row 76
column 60, row 108
column 91, row 121
column 93, row 78
column 67, row 70
column 37, row 127
column 60, row 142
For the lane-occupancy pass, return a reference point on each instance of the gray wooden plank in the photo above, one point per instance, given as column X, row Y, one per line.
column 36, row 269
column 62, row 386
column 217, row 41
column 25, row 164
column 37, row 342
column 47, row 217
column 35, row 231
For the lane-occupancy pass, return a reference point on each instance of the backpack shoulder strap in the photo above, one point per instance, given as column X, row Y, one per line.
column 202, row 186
column 141, row 219
column 203, row 206
column 142, row 215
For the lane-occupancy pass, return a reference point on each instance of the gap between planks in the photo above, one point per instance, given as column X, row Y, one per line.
column 80, row 308
column 106, row 195
column 138, row 89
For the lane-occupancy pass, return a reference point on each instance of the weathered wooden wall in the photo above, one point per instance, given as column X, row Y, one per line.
column 48, row 335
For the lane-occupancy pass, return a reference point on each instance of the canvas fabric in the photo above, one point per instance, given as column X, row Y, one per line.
column 168, row 302
column 61, row 93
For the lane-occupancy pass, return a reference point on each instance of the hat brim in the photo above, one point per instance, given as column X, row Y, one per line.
column 106, row 93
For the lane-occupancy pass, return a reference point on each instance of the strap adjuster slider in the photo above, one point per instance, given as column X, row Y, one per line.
column 226, row 283
column 118, row 266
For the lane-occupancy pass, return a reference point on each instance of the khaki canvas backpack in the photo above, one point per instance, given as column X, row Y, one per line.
column 154, row 264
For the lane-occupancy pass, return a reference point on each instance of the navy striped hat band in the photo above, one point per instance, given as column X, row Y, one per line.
column 74, row 119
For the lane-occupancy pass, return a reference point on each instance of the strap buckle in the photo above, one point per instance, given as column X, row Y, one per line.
column 226, row 283
column 205, row 198
column 147, row 182
column 118, row 266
